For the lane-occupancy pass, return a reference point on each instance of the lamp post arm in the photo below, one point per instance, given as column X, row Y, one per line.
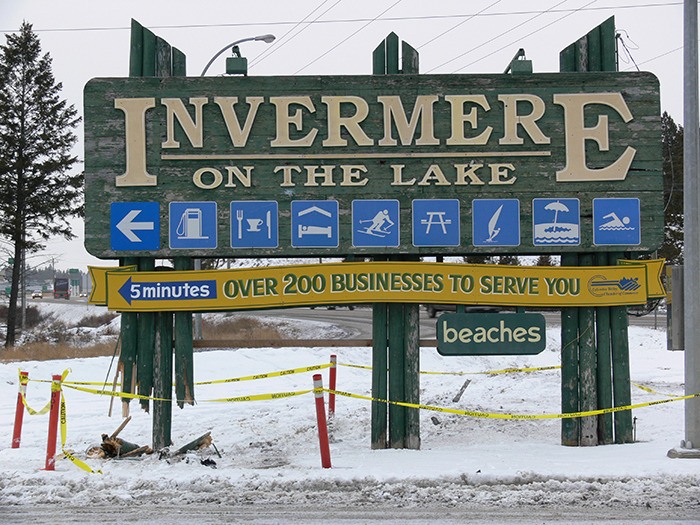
column 265, row 38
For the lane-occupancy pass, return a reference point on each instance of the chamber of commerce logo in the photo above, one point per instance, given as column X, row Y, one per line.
column 600, row 286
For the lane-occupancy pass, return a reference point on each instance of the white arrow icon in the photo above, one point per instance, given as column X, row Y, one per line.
column 127, row 226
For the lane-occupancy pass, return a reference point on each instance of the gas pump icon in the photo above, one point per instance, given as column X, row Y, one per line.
column 190, row 225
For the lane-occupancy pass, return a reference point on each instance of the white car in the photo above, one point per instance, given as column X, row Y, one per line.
column 37, row 294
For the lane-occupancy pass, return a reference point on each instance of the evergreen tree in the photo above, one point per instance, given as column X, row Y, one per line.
column 509, row 260
column 545, row 260
column 672, row 141
column 38, row 195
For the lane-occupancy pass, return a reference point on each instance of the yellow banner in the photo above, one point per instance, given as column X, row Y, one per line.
column 405, row 282
column 98, row 275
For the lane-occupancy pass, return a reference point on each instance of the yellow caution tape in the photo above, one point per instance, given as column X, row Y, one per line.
column 258, row 397
column 488, row 372
column 266, row 376
column 488, row 415
column 651, row 390
column 115, row 394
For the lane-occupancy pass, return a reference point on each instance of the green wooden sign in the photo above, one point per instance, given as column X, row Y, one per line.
column 491, row 334
column 371, row 165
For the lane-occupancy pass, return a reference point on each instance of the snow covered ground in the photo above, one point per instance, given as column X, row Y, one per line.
column 483, row 470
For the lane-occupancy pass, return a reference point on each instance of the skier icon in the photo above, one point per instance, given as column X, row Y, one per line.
column 380, row 224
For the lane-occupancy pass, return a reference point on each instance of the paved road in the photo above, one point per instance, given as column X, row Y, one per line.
column 359, row 321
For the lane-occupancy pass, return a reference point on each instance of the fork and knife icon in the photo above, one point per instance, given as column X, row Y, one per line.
column 254, row 224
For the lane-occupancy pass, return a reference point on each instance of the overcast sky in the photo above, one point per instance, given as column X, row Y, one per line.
column 89, row 39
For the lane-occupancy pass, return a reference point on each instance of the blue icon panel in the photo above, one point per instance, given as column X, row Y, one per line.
column 436, row 222
column 556, row 222
column 314, row 224
column 254, row 224
column 616, row 222
column 375, row 223
column 496, row 222
column 192, row 225
column 134, row 226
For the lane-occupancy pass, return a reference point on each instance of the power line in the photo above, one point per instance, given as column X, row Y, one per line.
column 281, row 44
column 526, row 36
column 349, row 20
column 496, row 37
column 347, row 38
column 457, row 25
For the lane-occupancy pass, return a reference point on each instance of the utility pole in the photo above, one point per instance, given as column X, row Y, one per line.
column 690, row 446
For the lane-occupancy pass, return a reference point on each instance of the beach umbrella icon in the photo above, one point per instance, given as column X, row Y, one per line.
column 556, row 206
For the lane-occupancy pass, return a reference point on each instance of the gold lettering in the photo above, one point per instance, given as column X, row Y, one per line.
column 244, row 178
column 511, row 119
column 239, row 136
column 192, row 128
column 287, row 175
column 326, row 175
column 398, row 174
column 394, row 112
column 434, row 175
column 577, row 133
column 351, row 124
column 465, row 171
column 499, row 172
column 284, row 120
column 215, row 183
column 352, row 175
column 459, row 118
column 135, row 130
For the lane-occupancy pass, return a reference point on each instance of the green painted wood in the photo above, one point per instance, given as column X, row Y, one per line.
column 163, row 381
column 129, row 345
column 588, row 396
column 149, row 53
column 409, row 59
column 136, row 50
column 184, row 360
column 608, row 45
column 567, row 59
column 570, row 428
column 163, row 58
column 534, row 176
column 604, row 365
column 594, row 51
column 146, row 328
column 379, row 59
column 412, row 375
column 392, row 54
column 622, row 394
column 179, row 63
column 380, row 364
column 397, row 378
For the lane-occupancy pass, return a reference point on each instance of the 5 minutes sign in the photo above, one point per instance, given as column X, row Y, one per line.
column 321, row 166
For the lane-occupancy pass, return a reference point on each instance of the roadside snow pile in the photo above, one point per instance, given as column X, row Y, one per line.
column 270, row 452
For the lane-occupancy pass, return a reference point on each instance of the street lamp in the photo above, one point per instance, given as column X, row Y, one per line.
column 265, row 38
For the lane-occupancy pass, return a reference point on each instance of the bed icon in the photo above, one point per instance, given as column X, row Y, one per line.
column 315, row 224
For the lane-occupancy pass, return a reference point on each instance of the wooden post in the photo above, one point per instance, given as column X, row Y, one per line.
column 163, row 381
column 184, row 360
column 604, row 365
column 412, row 375
column 145, row 344
column 379, row 375
column 588, row 397
column 19, row 409
column 397, row 388
column 570, row 428
column 622, row 395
